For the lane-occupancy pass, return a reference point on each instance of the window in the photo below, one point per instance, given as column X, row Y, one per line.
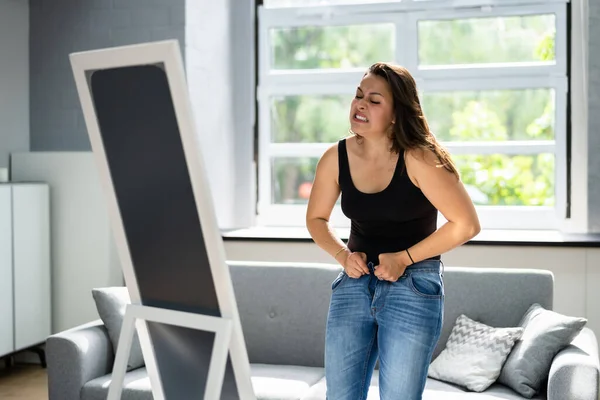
column 492, row 81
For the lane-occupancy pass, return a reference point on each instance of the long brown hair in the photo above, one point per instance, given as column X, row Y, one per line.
column 411, row 130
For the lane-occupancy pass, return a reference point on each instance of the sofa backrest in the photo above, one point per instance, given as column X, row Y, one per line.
column 493, row 296
column 283, row 306
column 283, row 310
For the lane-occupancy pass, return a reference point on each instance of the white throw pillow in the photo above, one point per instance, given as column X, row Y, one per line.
column 474, row 354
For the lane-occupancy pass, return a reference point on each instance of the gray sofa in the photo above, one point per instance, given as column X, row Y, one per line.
column 283, row 309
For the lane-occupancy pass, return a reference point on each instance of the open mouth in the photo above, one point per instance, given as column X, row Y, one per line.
column 361, row 118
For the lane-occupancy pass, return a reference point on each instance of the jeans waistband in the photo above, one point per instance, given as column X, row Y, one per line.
column 420, row 266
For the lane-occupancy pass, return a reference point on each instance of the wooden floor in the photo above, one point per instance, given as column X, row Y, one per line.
column 23, row 382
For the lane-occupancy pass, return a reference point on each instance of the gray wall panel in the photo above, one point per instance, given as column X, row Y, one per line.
column 62, row 27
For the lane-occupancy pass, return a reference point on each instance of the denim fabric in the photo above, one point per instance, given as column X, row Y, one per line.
column 398, row 322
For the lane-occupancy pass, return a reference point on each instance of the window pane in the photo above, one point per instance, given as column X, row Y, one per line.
column 310, row 119
column 315, row 47
column 487, row 40
column 503, row 180
column 491, row 115
column 292, row 179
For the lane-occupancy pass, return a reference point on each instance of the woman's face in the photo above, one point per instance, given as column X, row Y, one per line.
column 372, row 110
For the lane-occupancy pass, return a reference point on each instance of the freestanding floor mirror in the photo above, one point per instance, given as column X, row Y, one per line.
column 143, row 136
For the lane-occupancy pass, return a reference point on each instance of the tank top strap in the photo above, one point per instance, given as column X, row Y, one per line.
column 401, row 166
column 344, row 168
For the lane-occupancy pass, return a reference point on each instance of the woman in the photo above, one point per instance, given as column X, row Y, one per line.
column 393, row 176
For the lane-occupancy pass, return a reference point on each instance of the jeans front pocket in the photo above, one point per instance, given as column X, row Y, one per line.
column 426, row 284
column 337, row 281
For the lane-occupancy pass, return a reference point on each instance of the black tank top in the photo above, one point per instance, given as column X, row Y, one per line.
column 388, row 221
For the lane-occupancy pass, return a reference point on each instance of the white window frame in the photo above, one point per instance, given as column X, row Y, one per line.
column 405, row 16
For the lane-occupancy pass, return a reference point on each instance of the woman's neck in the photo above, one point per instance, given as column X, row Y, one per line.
column 375, row 147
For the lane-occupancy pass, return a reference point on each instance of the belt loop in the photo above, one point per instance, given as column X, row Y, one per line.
column 443, row 267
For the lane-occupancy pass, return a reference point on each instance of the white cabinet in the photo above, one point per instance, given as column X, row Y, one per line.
column 7, row 340
column 25, row 294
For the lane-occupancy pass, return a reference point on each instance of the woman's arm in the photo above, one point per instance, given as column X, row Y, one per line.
column 447, row 193
column 324, row 193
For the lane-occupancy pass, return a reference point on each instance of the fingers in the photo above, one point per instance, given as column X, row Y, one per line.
column 354, row 271
column 356, row 265
column 361, row 262
column 351, row 268
column 382, row 272
column 363, row 270
column 358, row 271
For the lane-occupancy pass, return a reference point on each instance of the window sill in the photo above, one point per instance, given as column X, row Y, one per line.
column 486, row 237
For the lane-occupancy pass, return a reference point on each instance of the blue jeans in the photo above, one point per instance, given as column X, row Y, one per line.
column 399, row 322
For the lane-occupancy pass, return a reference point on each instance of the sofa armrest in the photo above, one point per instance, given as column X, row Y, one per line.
column 76, row 356
column 575, row 371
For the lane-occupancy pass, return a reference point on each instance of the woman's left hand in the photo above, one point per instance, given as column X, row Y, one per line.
column 391, row 267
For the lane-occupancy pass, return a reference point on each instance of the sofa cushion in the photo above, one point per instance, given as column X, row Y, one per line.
column 438, row 390
column 546, row 333
column 270, row 382
column 111, row 303
column 434, row 390
column 282, row 382
column 474, row 354
column 136, row 386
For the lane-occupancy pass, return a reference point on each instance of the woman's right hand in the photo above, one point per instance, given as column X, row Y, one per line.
column 355, row 264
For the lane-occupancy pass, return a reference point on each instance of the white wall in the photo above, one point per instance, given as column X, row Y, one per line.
column 211, row 93
column 221, row 89
column 14, row 78
column 81, row 253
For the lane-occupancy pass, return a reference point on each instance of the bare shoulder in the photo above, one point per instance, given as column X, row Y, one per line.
column 331, row 154
column 328, row 163
column 423, row 165
column 421, row 158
